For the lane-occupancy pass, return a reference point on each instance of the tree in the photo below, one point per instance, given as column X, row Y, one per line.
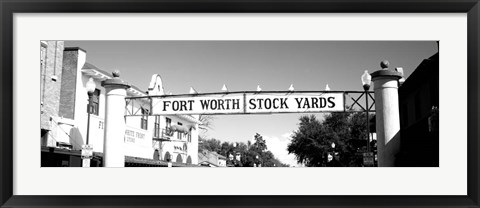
column 225, row 149
column 206, row 124
column 259, row 154
column 260, row 144
column 212, row 145
column 311, row 143
column 248, row 152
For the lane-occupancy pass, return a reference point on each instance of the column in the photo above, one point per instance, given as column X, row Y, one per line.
column 385, row 83
column 113, row 146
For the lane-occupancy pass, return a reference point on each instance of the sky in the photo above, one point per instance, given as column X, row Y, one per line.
column 242, row 65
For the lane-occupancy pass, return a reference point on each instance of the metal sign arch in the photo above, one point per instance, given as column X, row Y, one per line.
column 250, row 102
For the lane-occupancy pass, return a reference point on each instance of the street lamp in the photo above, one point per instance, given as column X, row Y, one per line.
column 333, row 154
column 86, row 149
column 366, row 81
column 90, row 86
column 258, row 161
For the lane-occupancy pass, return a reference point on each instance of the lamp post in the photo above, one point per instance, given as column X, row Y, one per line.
column 86, row 149
column 258, row 161
column 366, row 81
column 90, row 89
column 230, row 162
column 333, row 154
column 235, row 156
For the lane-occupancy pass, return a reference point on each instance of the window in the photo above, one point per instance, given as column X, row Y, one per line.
column 179, row 134
column 168, row 122
column 156, row 155
column 190, row 135
column 94, row 102
column 179, row 159
column 144, row 119
column 156, row 127
column 167, row 157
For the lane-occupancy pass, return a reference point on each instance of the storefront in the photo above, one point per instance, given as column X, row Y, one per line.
column 58, row 157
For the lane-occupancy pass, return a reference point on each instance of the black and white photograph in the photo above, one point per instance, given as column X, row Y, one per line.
column 239, row 104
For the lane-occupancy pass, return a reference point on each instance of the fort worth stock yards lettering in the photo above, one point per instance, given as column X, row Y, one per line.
column 249, row 103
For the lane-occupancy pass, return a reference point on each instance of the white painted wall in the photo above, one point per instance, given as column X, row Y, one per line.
column 76, row 129
column 192, row 147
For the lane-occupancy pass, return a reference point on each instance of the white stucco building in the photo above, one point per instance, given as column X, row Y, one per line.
column 155, row 138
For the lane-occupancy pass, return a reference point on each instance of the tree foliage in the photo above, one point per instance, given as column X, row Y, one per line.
column 311, row 143
column 212, row 145
column 251, row 155
column 260, row 144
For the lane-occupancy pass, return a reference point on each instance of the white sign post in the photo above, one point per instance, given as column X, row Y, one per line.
column 87, row 155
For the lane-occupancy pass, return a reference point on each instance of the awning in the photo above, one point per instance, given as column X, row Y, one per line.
column 189, row 118
column 178, row 128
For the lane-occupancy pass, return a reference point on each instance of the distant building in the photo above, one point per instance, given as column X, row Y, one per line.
column 211, row 159
column 149, row 140
column 419, row 116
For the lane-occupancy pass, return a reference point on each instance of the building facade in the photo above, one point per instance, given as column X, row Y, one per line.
column 166, row 139
column 419, row 116
column 211, row 159
column 51, row 59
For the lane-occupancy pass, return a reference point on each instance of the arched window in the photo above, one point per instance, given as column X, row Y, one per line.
column 189, row 160
column 156, row 155
column 179, row 158
column 167, row 156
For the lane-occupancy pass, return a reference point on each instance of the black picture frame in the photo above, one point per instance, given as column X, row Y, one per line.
column 10, row 7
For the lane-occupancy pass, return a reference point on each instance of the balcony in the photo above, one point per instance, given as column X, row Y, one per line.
column 171, row 134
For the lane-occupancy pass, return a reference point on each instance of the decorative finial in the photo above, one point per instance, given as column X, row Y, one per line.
column 384, row 64
column 193, row 91
column 116, row 73
column 291, row 88
column 224, row 88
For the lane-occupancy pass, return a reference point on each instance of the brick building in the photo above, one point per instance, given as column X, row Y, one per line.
column 51, row 57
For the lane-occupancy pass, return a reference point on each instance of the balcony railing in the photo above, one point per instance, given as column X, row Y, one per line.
column 167, row 134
